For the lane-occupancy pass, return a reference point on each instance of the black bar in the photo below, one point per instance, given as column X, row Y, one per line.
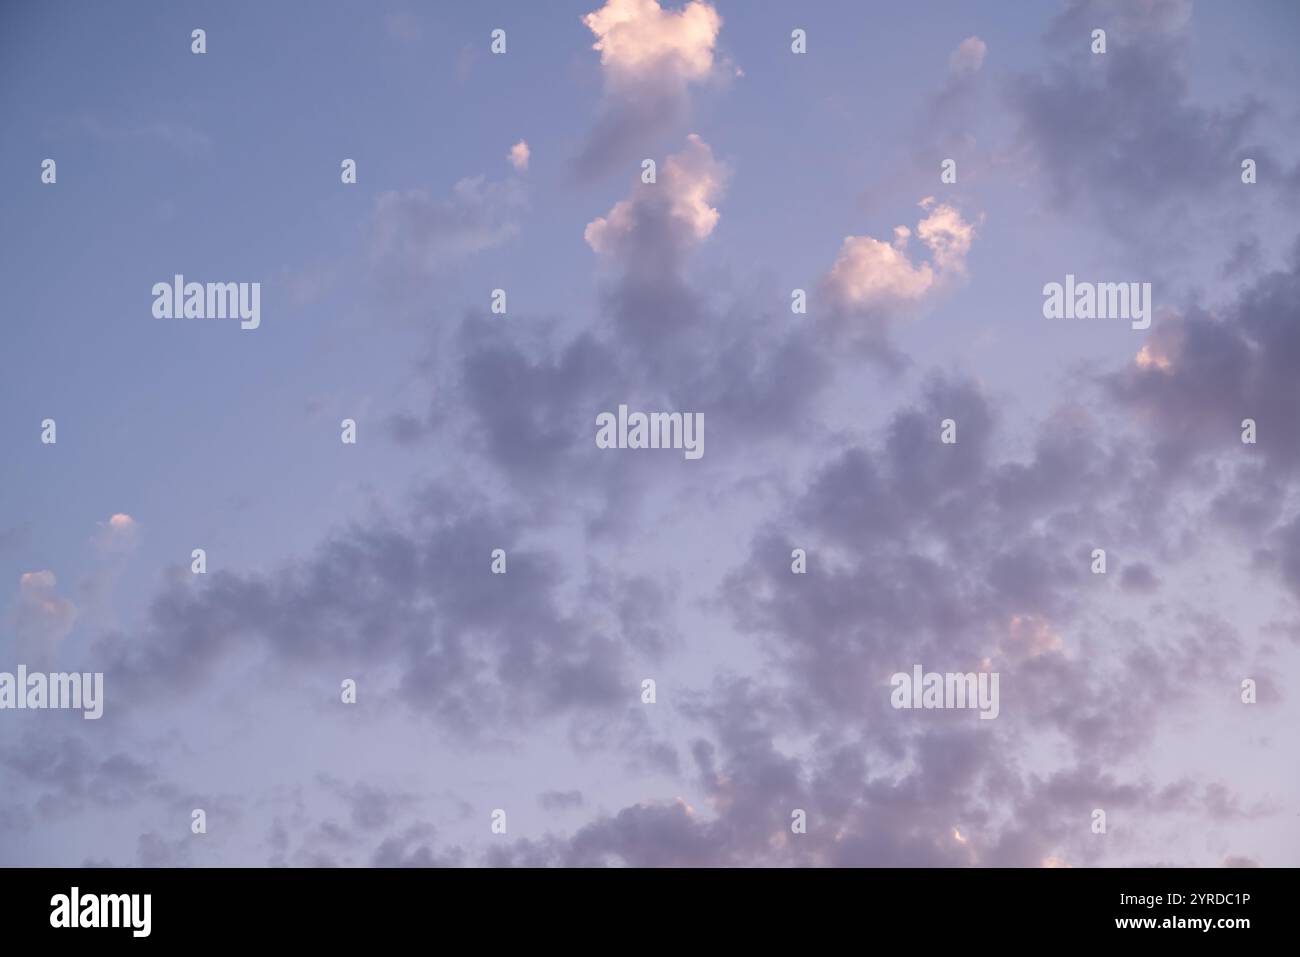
column 463, row 910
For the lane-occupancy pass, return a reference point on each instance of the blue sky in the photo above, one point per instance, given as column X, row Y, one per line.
column 777, row 171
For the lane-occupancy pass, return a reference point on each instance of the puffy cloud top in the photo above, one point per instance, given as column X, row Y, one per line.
column 869, row 272
column 969, row 55
column 637, row 38
column 519, row 155
column 676, row 210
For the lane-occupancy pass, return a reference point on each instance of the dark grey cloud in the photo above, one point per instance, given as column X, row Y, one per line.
column 68, row 773
column 1215, row 371
column 1121, row 128
column 155, row 850
column 1139, row 577
column 469, row 648
column 961, row 800
column 526, row 394
column 413, row 849
column 1120, row 132
column 1220, row 368
column 369, row 807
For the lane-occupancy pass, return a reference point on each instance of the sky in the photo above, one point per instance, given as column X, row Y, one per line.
column 916, row 468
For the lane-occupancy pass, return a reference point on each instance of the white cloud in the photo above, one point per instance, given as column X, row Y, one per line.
column 947, row 234
column 650, row 58
column 869, row 272
column 969, row 56
column 519, row 155
column 638, row 39
column 118, row 534
column 677, row 208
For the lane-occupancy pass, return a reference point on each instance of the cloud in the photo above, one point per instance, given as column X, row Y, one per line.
column 1029, row 636
column 873, row 282
column 413, row 236
column 370, row 807
column 1121, row 132
column 532, row 395
column 467, row 649
column 948, row 236
column 1131, row 22
column 639, row 40
column 864, row 807
column 651, row 228
column 773, row 687
column 41, row 617
column 399, row 852
column 154, row 850
column 529, row 400
column 1201, row 373
column 646, row 238
column 968, row 57
column 649, row 58
column 1140, row 578
column 988, row 543
column 118, row 534
column 519, row 155
column 869, row 274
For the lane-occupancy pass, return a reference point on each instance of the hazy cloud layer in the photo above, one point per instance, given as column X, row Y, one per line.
column 650, row 680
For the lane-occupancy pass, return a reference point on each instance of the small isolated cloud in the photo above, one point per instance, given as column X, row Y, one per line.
column 118, row 534
column 519, row 155
column 41, row 618
column 659, row 220
column 969, row 56
column 870, row 273
column 649, row 58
